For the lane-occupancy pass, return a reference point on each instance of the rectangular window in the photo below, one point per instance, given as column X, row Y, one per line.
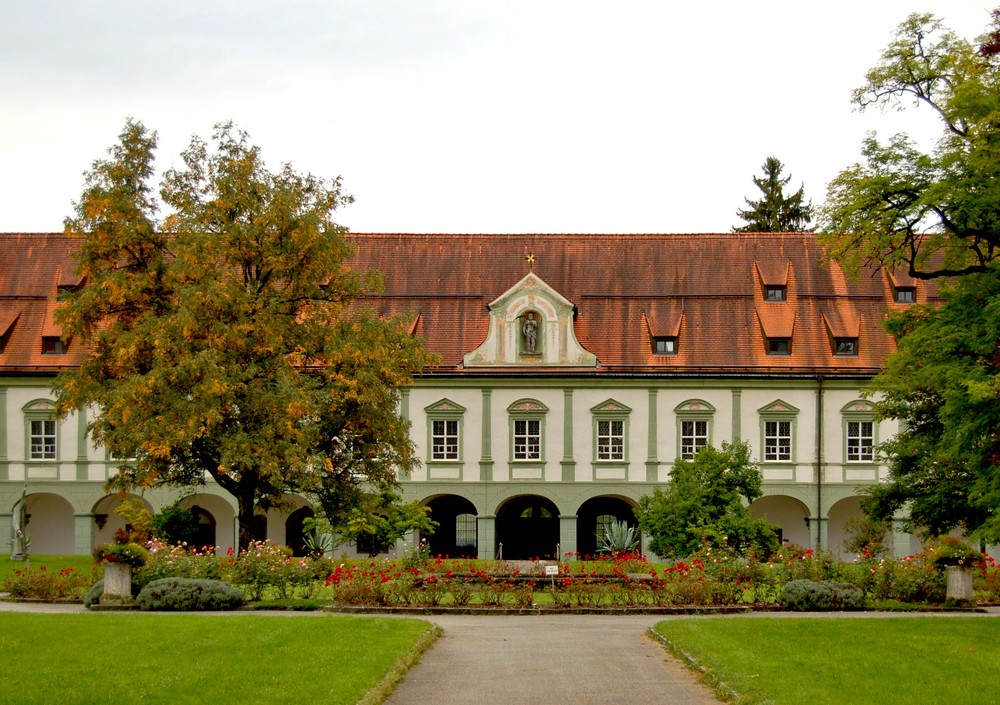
column 53, row 346
column 846, row 346
column 779, row 346
column 774, row 293
column 905, row 295
column 778, row 440
column 694, row 437
column 527, row 439
column 665, row 346
column 43, row 440
column 860, row 441
column 444, row 439
column 611, row 439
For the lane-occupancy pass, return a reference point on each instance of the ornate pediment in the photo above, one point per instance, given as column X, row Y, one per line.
column 531, row 325
column 445, row 406
column 778, row 407
column 611, row 407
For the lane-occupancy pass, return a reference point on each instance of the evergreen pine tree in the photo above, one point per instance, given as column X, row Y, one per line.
column 775, row 212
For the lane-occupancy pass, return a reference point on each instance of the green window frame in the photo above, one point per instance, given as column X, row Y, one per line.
column 860, row 433
column 777, row 432
column 527, row 431
column 611, row 432
column 694, row 427
column 41, row 431
column 444, row 432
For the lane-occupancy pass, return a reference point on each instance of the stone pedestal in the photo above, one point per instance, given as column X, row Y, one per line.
column 960, row 586
column 117, row 584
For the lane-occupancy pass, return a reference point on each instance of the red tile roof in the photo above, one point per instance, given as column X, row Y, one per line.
column 705, row 290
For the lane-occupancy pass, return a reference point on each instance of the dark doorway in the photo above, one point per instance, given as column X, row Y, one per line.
column 205, row 531
column 456, row 533
column 528, row 527
column 593, row 518
column 294, row 533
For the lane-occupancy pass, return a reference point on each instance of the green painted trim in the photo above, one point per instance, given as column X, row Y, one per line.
column 652, row 439
column 597, row 381
column 486, row 460
column 778, row 410
column 568, row 461
column 737, row 415
column 444, row 410
column 3, row 423
column 81, row 446
column 609, row 410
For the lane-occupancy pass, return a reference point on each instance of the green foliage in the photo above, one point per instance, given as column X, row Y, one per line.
column 41, row 584
column 263, row 565
column 229, row 337
column 175, row 525
column 381, row 518
column 809, row 595
column 188, row 595
column 867, row 537
column 943, row 383
column 619, row 538
column 706, row 501
column 933, row 213
column 138, row 518
column 775, row 212
column 176, row 561
column 131, row 554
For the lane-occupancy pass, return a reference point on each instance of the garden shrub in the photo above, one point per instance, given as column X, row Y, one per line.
column 189, row 594
column 811, row 595
column 176, row 561
column 41, row 584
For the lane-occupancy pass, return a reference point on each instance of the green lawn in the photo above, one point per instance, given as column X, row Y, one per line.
column 849, row 661
column 170, row 659
column 80, row 564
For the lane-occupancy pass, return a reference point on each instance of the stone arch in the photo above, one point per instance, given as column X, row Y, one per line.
column 527, row 526
column 456, row 534
column 595, row 514
column 216, row 521
column 838, row 515
column 790, row 515
column 106, row 521
column 49, row 523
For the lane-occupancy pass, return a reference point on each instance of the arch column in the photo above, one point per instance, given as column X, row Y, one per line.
column 567, row 534
column 818, row 531
column 486, row 530
column 83, row 533
column 7, row 531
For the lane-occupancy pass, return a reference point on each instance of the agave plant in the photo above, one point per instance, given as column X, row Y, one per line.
column 618, row 538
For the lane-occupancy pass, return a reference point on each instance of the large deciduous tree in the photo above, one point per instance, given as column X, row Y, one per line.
column 230, row 338
column 775, row 212
column 936, row 215
column 932, row 213
column 706, row 503
column 944, row 383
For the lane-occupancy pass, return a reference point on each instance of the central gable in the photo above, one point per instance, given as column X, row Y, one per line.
column 531, row 325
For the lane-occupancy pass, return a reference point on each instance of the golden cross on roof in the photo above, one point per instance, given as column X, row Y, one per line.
column 530, row 259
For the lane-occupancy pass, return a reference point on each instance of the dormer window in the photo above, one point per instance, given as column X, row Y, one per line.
column 53, row 346
column 665, row 346
column 906, row 295
column 846, row 347
column 775, row 293
column 779, row 346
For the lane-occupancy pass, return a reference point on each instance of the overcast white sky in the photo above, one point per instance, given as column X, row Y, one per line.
column 458, row 115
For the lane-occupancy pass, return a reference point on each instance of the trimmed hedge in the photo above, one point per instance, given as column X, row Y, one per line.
column 810, row 595
column 189, row 595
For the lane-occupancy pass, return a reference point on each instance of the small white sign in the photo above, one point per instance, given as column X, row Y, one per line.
column 552, row 570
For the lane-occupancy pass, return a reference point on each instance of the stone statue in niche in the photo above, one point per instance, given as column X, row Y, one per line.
column 530, row 330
